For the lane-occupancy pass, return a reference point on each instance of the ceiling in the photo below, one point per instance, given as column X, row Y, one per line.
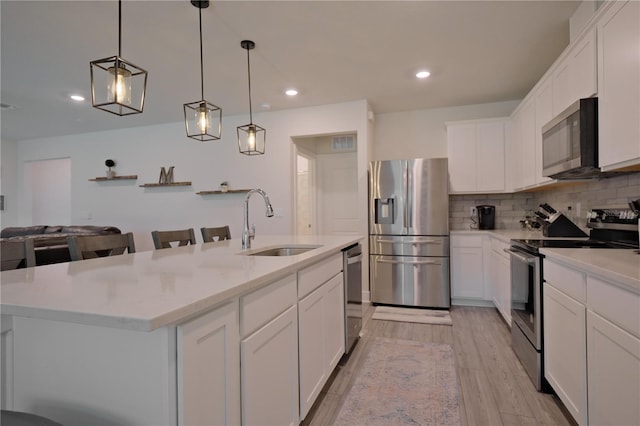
column 331, row 51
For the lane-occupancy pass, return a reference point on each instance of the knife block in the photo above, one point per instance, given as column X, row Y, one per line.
column 561, row 226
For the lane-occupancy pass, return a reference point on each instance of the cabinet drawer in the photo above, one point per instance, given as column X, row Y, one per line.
column 619, row 306
column 312, row 277
column 567, row 280
column 466, row 241
column 261, row 306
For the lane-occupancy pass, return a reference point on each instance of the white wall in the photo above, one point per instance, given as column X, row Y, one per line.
column 8, row 178
column 144, row 150
column 422, row 133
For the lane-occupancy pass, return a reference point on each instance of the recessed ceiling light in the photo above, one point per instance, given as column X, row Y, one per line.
column 77, row 98
column 265, row 105
column 423, row 74
column 291, row 92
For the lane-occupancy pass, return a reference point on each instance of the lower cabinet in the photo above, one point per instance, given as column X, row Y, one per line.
column 208, row 362
column 592, row 345
column 614, row 373
column 321, row 328
column 565, row 361
column 500, row 278
column 269, row 359
column 468, row 283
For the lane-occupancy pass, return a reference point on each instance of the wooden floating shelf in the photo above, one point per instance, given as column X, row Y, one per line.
column 230, row 191
column 123, row 177
column 155, row 185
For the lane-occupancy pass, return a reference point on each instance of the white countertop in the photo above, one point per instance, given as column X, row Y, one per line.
column 147, row 290
column 618, row 266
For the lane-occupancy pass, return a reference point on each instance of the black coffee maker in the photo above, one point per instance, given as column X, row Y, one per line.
column 486, row 217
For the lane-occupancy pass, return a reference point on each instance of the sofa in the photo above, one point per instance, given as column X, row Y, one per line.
column 50, row 242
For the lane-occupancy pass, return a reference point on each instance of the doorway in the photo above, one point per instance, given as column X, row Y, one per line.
column 47, row 186
column 305, row 193
column 326, row 185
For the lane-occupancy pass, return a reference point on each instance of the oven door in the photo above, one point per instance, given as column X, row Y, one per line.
column 526, row 297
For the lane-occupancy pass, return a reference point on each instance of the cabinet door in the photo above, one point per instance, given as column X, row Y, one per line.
column 334, row 320
column 311, row 322
column 461, row 149
column 527, row 132
column 490, row 156
column 466, row 273
column 614, row 373
column 504, row 280
column 269, row 372
column 321, row 328
column 209, row 369
column 544, row 113
column 565, row 360
column 619, row 86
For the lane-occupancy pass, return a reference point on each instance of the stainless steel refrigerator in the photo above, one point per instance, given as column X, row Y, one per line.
column 409, row 232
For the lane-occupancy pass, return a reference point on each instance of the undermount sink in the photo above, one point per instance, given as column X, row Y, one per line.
column 282, row 251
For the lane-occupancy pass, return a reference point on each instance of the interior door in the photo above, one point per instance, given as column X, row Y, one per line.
column 337, row 203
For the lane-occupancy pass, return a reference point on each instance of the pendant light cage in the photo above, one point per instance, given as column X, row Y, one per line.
column 117, row 85
column 251, row 137
column 202, row 119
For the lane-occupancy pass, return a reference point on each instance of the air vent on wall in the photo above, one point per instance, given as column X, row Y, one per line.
column 344, row 143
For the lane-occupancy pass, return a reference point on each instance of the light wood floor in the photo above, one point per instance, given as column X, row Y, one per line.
column 495, row 389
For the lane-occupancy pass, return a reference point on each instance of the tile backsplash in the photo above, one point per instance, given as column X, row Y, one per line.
column 574, row 199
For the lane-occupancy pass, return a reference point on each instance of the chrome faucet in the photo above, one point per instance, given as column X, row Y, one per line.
column 249, row 234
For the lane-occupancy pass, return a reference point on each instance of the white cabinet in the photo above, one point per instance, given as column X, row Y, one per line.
column 575, row 76
column 321, row 328
column 500, row 277
column 592, row 345
column 209, row 368
column 614, row 373
column 468, row 286
column 613, row 353
column 544, row 112
column 565, row 361
column 269, row 354
column 619, row 86
column 524, row 132
column 476, row 151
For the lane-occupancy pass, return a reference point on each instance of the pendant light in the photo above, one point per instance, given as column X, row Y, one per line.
column 202, row 119
column 251, row 137
column 117, row 85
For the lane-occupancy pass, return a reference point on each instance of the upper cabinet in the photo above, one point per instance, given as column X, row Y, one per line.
column 476, row 151
column 575, row 76
column 619, row 86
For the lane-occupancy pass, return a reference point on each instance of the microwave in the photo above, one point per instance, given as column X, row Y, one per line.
column 570, row 142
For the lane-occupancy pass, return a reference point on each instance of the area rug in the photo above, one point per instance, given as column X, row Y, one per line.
column 403, row 382
column 425, row 316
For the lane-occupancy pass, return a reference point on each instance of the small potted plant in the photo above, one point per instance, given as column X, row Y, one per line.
column 224, row 186
column 110, row 173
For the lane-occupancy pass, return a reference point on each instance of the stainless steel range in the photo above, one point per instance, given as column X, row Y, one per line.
column 611, row 228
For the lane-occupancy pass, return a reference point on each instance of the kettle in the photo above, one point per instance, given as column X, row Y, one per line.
column 486, row 217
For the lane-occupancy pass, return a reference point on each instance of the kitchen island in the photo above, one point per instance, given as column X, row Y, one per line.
column 158, row 337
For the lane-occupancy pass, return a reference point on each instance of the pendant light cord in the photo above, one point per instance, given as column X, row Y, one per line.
column 119, row 28
column 201, row 60
column 249, row 75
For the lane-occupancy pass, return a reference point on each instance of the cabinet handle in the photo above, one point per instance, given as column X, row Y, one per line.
column 418, row 241
column 410, row 262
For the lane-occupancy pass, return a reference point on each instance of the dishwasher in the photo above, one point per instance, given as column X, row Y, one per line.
column 352, row 268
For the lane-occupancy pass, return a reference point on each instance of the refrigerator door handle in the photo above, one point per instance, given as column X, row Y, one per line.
column 405, row 225
column 410, row 262
column 409, row 204
column 414, row 242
